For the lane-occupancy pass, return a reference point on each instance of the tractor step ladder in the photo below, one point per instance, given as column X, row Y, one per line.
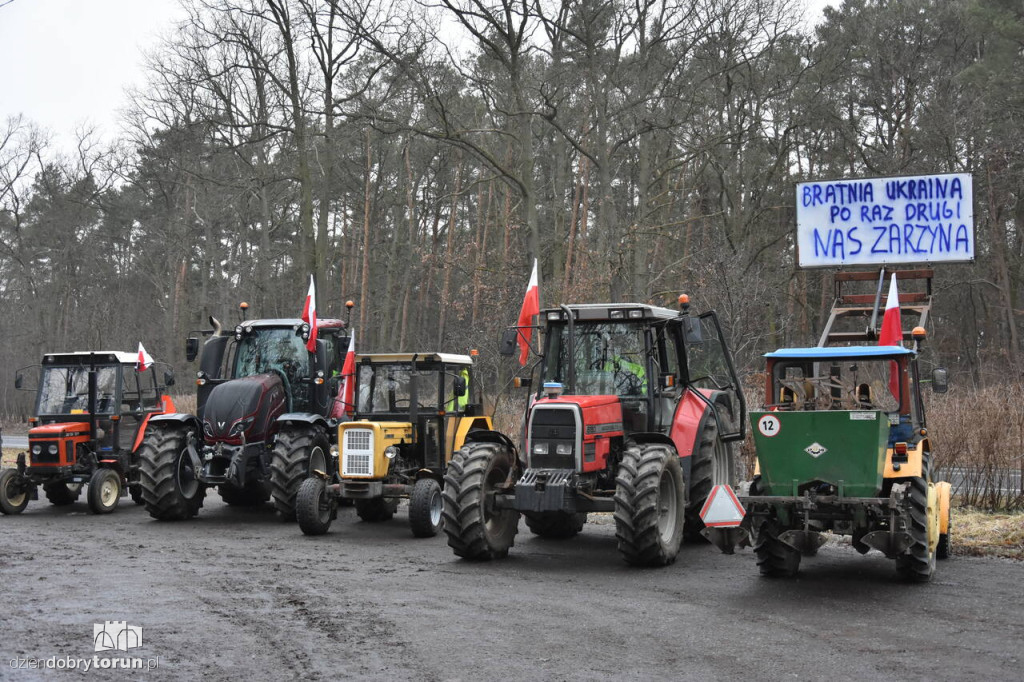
column 915, row 292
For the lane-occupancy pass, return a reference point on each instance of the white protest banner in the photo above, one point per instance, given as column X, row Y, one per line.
column 878, row 221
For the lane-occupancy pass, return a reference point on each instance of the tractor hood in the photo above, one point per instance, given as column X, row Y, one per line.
column 59, row 430
column 244, row 408
column 584, row 401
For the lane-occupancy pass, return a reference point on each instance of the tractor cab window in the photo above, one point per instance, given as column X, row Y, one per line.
column 272, row 350
column 139, row 390
column 65, row 390
column 609, row 358
column 839, row 384
column 387, row 388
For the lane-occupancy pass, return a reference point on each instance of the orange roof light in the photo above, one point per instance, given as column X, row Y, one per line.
column 684, row 299
column 473, row 352
column 919, row 333
column 243, row 305
column 350, row 304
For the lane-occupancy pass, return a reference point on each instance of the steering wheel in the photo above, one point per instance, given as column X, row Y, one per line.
column 627, row 383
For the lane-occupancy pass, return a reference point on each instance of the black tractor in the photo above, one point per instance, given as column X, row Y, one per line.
column 264, row 415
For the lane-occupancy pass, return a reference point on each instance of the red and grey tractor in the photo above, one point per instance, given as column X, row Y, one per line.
column 91, row 411
column 265, row 406
column 637, row 413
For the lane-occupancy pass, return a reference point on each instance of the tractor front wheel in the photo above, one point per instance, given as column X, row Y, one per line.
column 314, row 508
column 555, row 525
column 61, row 494
column 13, row 492
column 104, row 491
column 298, row 451
column 917, row 563
column 171, row 489
column 649, row 505
column 714, row 463
column 775, row 559
column 476, row 530
column 425, row 508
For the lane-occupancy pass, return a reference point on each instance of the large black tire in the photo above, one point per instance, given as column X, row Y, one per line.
column 713, row 463
column 314, row 508
column 475, row 531
column 253, row 494
column 555, row 525
column 170, row 489
column 104, row 491
column 425, row 506
column 917, row 563
column 61, row 494
column 649, row 505
column 13, row 493
column 377, row 509
column 135, row 490
column 294, row 448
column 775, row 559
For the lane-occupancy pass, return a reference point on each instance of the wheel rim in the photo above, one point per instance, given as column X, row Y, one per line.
column 493, row 519
column 668, row 510
column 109, row 490
column 73, row 488
column 323, row 504
column 435, row 506
column 720, row 465
column 15, row 498
column 317, row 460
column 186, row 475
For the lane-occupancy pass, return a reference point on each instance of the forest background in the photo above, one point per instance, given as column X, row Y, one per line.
column 415, row 156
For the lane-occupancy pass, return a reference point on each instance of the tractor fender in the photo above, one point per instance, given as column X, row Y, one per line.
column 943, row 490
column 654, row 437
column 302, row 418
column 691, row 416
column 491, row 436
column 468, row 425
column 176, row 418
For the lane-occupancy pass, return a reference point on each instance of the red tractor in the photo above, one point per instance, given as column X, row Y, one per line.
column 636, row 414
column 91, row 411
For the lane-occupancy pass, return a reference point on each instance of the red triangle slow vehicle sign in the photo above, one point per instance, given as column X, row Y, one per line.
column 722, row 508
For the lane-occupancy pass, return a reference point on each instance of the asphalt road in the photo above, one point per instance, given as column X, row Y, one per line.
column 236, row 594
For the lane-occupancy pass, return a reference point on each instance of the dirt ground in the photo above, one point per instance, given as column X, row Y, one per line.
column 235, row 594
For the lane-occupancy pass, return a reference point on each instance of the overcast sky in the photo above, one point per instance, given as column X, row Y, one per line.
column 64, row 63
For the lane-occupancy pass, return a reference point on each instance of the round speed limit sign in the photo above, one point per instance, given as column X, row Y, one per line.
column 769, row 425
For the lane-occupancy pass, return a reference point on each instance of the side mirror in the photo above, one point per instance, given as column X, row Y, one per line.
column 692, row 331
column 507, row 346
column 191, row 348
column 940, row 380
column 168, row 378
column 459, row 387
column 19, row 381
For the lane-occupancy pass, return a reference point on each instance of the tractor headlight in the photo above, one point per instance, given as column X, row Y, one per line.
column 242, row 426
column 52, row 449
column 391, row 452
column 563, row 449
column 238, row 333
column 540, row 448
column 208, row 429
column 37, row 449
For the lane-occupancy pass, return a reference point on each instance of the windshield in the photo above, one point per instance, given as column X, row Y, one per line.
column 65, row 390
column 385, row 388
column 609, row 358
column 266, row 350
column 839, row 384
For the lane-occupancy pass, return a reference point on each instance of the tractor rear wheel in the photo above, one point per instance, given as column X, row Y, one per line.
column 917, row 563
column 649, row 505
column 475, row 529
column 714, row 463
column 377, row 509
column 171, row 489
column 555, row 525
column 253, row 494
column 775, row 559
column 13, row 492
column 425, row 508
column 298, row 451
column 61, row 494
column 314, row 508
column 104, row 490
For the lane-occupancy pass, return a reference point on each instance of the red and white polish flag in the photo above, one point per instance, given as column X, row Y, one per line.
column 145, row 360
column 892, row 333
column 348, row 373
column 531, row 307
column 309, row 315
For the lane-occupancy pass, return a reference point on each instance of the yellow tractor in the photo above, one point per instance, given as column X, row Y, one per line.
column 412, row 411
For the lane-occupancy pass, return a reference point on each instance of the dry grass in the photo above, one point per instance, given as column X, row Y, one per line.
column 980, row 533
column 9, row 456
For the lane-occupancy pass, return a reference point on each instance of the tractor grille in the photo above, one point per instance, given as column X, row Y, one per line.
column 554, row 427
column 357, row 453
column 45, row 457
